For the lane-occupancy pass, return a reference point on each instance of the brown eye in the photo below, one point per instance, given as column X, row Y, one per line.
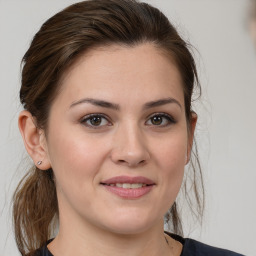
column 156, row 120
column 95, row 121
column 161, row 120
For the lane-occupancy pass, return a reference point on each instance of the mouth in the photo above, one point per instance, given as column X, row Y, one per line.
column 129, row 187
column 128, row 182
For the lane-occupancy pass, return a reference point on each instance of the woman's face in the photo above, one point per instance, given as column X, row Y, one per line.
column 117, row 139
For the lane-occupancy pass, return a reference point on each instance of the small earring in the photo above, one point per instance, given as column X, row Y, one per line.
column 39, row 162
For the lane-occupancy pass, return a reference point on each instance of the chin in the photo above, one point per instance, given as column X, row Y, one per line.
column 128, row 225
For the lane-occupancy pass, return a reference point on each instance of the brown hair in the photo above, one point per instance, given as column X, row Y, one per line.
column 58, row 44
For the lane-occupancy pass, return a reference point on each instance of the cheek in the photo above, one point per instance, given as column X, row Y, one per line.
column 171, row 161
column 172, row 151
column 75, row 159
column 76, row 162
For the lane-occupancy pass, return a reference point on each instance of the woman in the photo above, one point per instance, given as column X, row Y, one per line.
column 107, row 88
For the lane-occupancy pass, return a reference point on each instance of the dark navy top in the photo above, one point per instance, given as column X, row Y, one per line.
column 190, row 248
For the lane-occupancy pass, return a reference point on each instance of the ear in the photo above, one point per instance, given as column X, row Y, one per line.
column 34, row 140
column 191, row 131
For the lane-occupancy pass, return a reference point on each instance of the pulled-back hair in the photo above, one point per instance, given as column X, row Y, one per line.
column 54, row 49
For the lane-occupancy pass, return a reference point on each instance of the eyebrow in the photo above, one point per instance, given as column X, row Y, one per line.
column 161, row 102
column 106, row 104
column 96, row 102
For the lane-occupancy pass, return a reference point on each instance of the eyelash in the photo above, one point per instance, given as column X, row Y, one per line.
column 90, row 117
column 170, row 119
column 84, row 120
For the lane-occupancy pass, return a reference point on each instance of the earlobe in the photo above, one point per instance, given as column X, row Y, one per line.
column 192, row 126
column 33, row 138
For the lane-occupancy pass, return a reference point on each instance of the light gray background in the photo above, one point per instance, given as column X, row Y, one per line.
column 227, row 125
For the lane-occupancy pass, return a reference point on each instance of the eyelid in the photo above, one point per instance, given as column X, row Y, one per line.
column 87, row 117
column 170, row 118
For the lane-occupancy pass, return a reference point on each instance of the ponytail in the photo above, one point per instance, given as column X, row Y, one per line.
column 34, row 209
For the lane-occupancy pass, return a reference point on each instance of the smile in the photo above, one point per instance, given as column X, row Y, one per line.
column 128, row 185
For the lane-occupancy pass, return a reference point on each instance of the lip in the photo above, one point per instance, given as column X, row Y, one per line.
column 128, row 179
column 131, row 193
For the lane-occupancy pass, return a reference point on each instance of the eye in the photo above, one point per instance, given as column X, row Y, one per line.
column 160, row 119
column 95, row 121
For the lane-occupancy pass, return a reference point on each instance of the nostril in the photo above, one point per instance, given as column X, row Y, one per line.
column 130, row 163
column 130, row 158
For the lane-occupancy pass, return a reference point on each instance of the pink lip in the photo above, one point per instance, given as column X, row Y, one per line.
column 128, row 179
column 133, row 193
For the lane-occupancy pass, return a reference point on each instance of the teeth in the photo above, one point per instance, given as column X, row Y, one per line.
column 128, row 185
column 136, row 185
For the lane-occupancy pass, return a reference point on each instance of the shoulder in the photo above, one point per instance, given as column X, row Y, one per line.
column 192, row 247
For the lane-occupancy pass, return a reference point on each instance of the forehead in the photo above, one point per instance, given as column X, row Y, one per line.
column 116, row 70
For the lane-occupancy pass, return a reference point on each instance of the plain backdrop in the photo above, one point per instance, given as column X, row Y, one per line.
column 226, row 132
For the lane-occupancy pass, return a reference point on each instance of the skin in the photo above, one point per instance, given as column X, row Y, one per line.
column 253, row 30
column 252, row 23
column 126, row 142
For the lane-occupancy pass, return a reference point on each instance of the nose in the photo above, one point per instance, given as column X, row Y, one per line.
column 130, row 147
